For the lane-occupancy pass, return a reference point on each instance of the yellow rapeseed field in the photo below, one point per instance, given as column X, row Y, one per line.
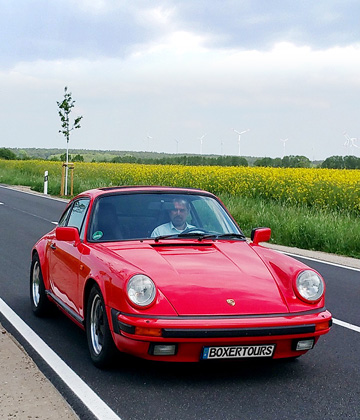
column 319, row 188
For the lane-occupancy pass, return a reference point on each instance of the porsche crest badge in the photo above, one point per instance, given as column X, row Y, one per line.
column 231, row 302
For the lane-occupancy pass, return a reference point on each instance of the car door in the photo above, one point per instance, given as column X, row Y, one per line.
column 65, row 257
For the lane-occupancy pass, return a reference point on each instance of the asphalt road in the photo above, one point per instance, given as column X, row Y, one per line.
column 323, row 384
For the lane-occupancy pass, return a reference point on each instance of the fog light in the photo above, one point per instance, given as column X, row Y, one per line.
column 302, row 345
column 163, row 349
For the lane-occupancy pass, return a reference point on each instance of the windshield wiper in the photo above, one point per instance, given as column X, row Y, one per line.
column 202, row 235
column 199, row 235
column 157, row 238
column 231, row 235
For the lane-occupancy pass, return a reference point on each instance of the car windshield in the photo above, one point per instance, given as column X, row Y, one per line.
column 159, row 216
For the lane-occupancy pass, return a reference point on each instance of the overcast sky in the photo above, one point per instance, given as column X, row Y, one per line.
column 181, row 75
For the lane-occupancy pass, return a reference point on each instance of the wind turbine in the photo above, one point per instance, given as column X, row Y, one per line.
column 177, row 146
column 149, row 138
column 201, row 142
column 239, row 138
column 350, row 141
column 284, row 143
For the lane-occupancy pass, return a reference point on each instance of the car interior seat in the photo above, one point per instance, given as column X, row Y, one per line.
column 108, row 223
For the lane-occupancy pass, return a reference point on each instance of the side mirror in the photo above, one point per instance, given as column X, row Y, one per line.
column 69, row 234
column 261, row 234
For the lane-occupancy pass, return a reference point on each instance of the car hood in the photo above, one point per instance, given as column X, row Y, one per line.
column 224, row 278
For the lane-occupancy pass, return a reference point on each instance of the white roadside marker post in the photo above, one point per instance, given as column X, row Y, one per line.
column 46, row 177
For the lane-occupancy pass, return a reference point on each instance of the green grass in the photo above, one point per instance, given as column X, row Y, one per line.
column 301, row 227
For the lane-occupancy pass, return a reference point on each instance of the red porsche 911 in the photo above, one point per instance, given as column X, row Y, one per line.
column 166, row 274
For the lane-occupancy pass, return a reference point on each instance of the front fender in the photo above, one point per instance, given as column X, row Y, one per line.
column 284, row 270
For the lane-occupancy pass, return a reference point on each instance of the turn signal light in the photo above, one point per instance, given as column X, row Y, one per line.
column 153, row 332
column 322, row 326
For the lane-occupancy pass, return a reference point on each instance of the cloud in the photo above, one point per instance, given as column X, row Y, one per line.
column 180, row 69
column 183, row 87
column 113, row 28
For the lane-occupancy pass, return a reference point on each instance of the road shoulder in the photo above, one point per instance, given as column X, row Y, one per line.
column 317, row 255
column 25, row 393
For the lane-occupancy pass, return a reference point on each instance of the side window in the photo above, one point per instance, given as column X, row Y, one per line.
column 77, row 214
column 64, row 217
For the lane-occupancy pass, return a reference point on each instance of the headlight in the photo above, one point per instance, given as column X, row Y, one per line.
column 309, row 285
column 141, row 290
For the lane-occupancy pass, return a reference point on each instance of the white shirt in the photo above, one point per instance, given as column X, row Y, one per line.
column 168, row 229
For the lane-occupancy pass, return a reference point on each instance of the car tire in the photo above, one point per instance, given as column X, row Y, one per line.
column 40, row 304
column 100, row 342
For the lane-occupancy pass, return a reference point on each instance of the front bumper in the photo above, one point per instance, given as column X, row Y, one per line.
column 137, row 335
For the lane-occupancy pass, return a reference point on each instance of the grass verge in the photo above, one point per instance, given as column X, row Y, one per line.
column 297, row 226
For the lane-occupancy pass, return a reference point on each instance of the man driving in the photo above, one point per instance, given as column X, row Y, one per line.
column 178, row 215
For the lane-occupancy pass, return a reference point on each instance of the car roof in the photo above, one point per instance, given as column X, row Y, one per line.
column 141, row 189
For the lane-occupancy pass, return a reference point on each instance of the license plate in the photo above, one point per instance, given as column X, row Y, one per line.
column 238, row 352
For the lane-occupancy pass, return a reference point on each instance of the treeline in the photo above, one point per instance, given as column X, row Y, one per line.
column 187, row 160
column 62, row 158
column 341, row 162
column 126, row 157
column 23, row 155
column 285, row 162
column 333, row 162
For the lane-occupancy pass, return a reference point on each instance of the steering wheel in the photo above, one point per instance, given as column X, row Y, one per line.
column 194, row 229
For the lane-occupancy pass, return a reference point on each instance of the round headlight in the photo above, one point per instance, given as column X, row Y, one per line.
column 141, row 290
column 310, row 285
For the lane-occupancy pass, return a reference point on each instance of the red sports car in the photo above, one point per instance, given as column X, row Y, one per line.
column 166, row 274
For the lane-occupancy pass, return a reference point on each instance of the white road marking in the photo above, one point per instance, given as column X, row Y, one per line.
column 347, row 267
column 31, row 214
column 89, row 398
column 346, row 325
column 37, row 195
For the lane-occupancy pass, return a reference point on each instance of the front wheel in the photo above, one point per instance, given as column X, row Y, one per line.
column 40, row 304
column 101, row 345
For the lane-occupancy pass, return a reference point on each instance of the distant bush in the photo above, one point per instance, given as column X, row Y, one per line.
column 341, row 162
column 7, row 154
column 285, row 162
column 76, row 158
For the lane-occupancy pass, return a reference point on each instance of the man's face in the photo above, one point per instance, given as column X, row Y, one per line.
column 179, row 214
